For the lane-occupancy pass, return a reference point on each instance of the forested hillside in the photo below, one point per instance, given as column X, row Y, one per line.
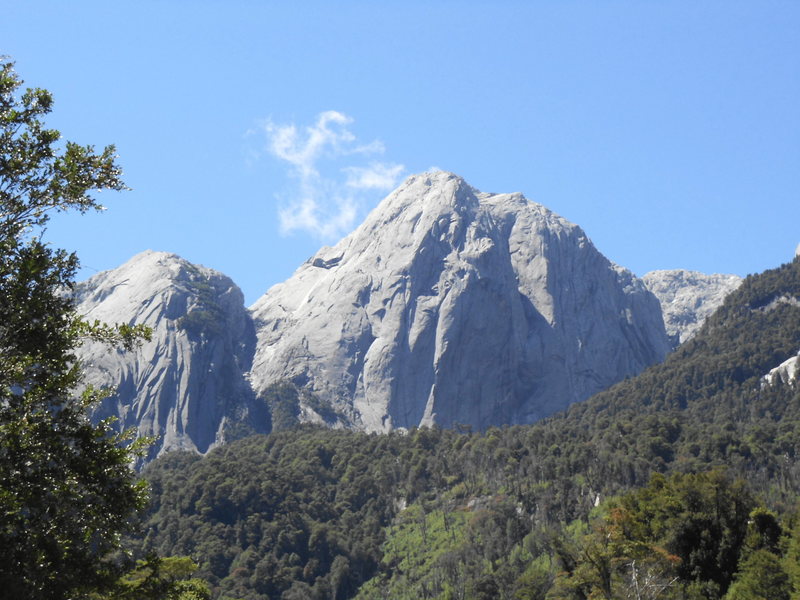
column 567, row 508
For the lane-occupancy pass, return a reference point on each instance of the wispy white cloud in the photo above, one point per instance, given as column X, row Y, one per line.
column 377, row 176
column 330, row 183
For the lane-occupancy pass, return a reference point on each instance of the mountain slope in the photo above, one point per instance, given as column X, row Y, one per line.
column 712, row 401
column 188, row 382
column 452, row 306
column 313, row 513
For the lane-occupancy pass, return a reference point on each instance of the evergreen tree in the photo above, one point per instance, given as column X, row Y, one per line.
column 67, row 491
column 761, row 577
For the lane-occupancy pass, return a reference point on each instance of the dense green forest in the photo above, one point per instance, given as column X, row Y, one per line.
column 679, row 483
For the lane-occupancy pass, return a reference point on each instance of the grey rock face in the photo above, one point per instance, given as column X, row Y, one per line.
column 446, row 306
column 187, row 383
column 688, row 298
column 450, row 306
column 786, row 373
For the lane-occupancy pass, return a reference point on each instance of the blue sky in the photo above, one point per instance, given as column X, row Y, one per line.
column 253, row 132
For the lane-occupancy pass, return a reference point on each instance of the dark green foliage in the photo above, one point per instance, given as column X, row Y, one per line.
column 156, row 578
column 206, row 318
column 702, row 519
column 761, row 577
column 265, row 513
column 283, row 403
column 321, row 407
column 315, row 513
column 66, row 487
column 200, row 321
column 683, row 536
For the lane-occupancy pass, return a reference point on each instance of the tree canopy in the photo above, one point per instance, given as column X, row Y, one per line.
column 67, row 489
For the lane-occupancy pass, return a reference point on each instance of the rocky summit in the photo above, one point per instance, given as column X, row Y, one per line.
column 450, row 306
column 446, row 306
column 187, row 383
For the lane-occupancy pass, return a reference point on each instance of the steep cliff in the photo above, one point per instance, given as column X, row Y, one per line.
column 448, row 306
column 186, row 385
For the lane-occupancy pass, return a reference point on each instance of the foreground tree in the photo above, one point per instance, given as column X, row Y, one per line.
column 156, row 578
column 683, row 536
column 67, row 491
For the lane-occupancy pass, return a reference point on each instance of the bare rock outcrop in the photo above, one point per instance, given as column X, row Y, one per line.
column 449, row 306
column 688, row 298
column 185, row 385
column 446, row 306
